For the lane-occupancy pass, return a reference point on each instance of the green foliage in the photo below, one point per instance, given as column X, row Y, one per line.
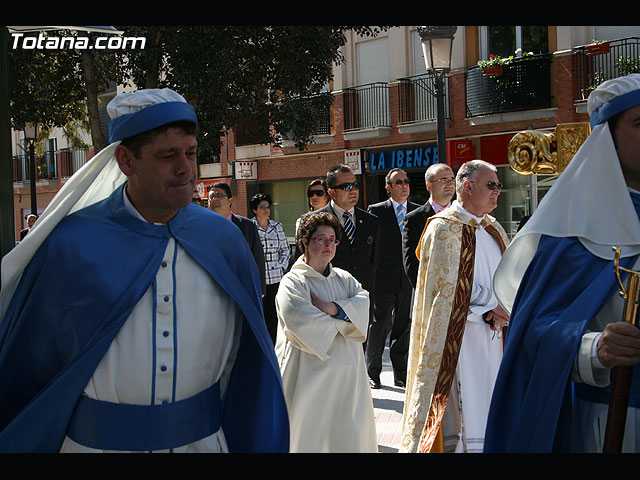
column 47, row 87
column 627, row 65
column 231, row 73
column 493, row 61
column 32, row 97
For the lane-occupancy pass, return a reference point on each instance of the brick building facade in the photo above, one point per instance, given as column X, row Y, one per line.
column 537, row 92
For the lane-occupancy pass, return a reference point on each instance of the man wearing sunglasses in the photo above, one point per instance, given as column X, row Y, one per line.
column 356, row 251
column 456, row 331
column 567, row 335
column 392, row 297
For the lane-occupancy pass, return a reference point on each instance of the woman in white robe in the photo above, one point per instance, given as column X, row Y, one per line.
column 323, row 315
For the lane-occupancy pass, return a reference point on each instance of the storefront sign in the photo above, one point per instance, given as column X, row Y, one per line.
column 352, row 160
column 459, row 152
column 245, row 170
column 409, row 158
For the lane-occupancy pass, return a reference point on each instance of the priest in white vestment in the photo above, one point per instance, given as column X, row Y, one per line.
column 323, row 314
column 456, row 336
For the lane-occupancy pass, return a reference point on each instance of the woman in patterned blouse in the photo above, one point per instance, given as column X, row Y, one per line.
column 276, row 256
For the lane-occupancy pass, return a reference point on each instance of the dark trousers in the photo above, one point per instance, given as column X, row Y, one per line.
column 269, row 306
column 391, row 318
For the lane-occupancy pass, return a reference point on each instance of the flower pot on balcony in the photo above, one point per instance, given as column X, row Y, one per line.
column 493, row 71
column 598, row 48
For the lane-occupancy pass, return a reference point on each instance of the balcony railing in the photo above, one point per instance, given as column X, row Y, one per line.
column 59, row 164
column 366, row 106
column 524, row 84
column 417, row 99
column 621, row 58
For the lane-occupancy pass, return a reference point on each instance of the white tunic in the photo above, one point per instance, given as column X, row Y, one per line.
column 179, row 339
column 322, row 362
column 465, row 417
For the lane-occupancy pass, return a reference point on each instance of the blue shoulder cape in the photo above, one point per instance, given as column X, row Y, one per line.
column 56, row 329
column 563, row 288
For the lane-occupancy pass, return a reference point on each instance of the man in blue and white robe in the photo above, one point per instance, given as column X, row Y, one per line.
column 552, row 391
column 119, row 333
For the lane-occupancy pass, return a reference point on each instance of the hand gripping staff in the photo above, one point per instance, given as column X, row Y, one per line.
column 621, row 377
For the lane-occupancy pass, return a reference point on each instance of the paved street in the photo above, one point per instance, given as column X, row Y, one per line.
column 387, row 403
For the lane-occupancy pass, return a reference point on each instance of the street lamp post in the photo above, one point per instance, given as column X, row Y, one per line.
column 30, row 136
column 437, row 43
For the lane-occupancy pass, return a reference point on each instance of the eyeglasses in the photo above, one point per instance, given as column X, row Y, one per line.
column 318, row 193
column 400, row 182
column 347, row 186
column 219, row 195
column 264, row 206
column 445, row 180
column 492, row 185
column 320, row 240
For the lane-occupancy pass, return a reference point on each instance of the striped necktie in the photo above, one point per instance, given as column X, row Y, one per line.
column 400, row 215
column 349, row 228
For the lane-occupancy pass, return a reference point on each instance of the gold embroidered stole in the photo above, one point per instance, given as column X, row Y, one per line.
column 455, row 330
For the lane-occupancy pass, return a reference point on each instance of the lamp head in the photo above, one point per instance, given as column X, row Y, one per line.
column 437, row 42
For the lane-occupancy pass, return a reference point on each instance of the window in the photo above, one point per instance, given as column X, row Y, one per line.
column 505, row 40
column 373, row 61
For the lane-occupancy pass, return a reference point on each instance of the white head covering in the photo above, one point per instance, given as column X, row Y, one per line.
column 95, row 181
column 589, row 200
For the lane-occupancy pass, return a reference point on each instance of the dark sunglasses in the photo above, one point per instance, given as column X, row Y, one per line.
column 347, row 186
column 318, row 193
column 492, row 185
column 400, row 182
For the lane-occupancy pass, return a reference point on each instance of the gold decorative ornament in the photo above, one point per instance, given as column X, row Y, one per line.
column 534, row 152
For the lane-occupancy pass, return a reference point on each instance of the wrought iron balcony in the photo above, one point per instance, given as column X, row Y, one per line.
column 417, row 99
column 54, row 164
column 596, row 63
column 524, row 84
column 366, row 106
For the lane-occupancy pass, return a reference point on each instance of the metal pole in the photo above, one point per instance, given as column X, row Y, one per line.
column 442, row 142
column 32, row 180
column 7, row 225
column 533, row 193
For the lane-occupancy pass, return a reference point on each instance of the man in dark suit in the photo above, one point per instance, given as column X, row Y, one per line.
column 356, row 251
column 220, row 199
column 441, row 184
column 392, row 291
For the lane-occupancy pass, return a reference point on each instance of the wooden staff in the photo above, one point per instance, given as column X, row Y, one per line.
column 621, row 378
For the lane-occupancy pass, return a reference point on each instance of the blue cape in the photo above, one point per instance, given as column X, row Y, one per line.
column 56, row 330
column 563, row 288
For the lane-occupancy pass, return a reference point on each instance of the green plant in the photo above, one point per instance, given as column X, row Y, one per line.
column 493, row 61
column 627, row 65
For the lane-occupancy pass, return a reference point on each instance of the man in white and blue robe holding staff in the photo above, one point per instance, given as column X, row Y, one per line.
column 122, row 329
column 566, row 331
